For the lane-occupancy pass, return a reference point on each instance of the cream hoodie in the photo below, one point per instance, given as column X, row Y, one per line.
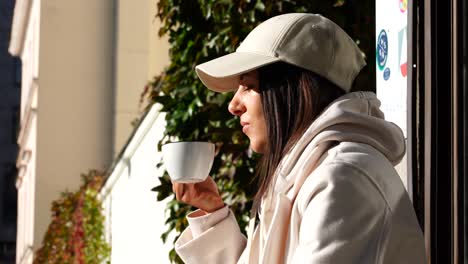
column 336, row 199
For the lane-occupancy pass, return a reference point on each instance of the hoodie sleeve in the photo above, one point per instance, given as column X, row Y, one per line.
column 342, row 217
column 212, row 238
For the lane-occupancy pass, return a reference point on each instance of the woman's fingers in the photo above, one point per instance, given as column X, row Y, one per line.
column 203, row 195
column 184, row 191
column 187, row 194
column 178, row 189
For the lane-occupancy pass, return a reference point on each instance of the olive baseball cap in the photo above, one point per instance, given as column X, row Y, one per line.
column 309, row 41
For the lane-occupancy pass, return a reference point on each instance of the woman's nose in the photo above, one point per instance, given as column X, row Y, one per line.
column 236, row 107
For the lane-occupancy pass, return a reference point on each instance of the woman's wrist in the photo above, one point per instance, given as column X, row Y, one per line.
column 216, row 205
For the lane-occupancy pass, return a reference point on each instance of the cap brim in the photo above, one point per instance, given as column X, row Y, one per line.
column 222, row 74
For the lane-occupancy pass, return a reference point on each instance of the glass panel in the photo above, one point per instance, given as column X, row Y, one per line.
column 391, row 22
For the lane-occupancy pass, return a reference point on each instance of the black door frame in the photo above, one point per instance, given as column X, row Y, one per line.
column 437, row 108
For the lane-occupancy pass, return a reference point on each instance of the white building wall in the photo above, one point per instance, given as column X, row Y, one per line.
column 135, row 220
column 75, row 99
column 140, row 54
column 85, row 64
column 27, row 138
column 66, row 122
column 26, row 194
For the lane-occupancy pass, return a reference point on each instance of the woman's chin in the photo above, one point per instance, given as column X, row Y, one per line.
column 257, row 148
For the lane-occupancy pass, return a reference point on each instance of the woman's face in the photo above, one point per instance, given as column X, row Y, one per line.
column 247, row 104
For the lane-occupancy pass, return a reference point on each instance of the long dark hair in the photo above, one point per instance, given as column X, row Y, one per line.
column 292, row 99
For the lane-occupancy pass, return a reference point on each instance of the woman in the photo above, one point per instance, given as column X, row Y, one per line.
column 328, row 190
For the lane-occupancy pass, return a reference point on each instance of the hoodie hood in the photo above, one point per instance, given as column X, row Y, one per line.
column 353, row 117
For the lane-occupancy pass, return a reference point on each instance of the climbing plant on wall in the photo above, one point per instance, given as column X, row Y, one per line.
column 76, row 232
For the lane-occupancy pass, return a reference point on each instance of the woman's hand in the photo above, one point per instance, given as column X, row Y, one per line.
column 203, row 195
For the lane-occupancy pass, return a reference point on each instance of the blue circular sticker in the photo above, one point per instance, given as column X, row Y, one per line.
column 382, row 49
column 386, row 74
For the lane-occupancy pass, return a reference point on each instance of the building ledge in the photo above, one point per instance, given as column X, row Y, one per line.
column 18, row 30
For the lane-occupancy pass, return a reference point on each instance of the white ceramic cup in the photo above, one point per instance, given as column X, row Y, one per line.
column 188, row 161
